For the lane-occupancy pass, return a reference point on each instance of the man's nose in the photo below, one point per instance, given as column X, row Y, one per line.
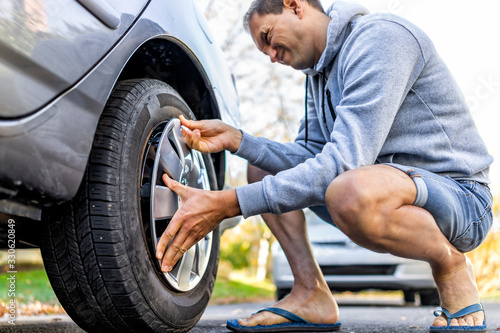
column 273, row 54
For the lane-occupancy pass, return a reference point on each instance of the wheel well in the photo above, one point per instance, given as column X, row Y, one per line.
column 168, row 61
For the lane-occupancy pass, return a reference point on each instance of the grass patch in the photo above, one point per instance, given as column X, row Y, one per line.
column 240, row 290
column 31, row 286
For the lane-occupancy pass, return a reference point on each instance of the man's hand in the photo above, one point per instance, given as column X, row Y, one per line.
column 199, row 213
column 210, row 136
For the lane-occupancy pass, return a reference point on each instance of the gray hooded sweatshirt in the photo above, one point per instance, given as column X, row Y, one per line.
column 380, row 93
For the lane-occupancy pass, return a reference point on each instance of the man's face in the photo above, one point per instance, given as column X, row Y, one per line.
column 283, row 38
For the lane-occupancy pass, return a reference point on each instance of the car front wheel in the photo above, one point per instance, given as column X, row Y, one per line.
column 99, row 250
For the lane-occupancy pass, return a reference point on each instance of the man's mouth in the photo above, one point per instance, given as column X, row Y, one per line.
column 281, row 56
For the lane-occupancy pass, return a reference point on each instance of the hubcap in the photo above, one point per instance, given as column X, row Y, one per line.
column 173, row 157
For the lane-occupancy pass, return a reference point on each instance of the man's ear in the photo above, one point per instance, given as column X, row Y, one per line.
column 295, row 5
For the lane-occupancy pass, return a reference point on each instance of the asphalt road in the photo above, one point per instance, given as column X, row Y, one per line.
column 356, row 316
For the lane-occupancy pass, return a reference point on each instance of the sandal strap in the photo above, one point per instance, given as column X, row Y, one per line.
column 465, row 311
column 286, row 314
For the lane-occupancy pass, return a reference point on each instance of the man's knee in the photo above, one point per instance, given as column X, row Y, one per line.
column 255, row 174
column 344, row 198
column 370, row 189
column 353, row 205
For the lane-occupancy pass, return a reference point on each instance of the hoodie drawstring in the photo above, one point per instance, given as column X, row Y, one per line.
column 323, row 98
column 329, row 101
column 307, row 89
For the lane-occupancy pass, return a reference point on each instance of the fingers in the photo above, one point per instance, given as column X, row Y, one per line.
column 184, row 121
column 180, row 239
column 176, row 239
column 194, row 219
column 190, row 124
column 192, row 138
column 166, row 237
column 179, row 246
column 173, row 227
column 171, row 233
column 190, row 132
column 174, row 250
column 175, row 186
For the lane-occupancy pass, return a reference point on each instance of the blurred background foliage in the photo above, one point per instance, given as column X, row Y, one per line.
column 486, row 258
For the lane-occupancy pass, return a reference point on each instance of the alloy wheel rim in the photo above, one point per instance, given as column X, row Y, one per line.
column 173, row 157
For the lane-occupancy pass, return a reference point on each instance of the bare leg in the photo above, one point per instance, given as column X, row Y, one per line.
column 373, row 206
column 310, row 298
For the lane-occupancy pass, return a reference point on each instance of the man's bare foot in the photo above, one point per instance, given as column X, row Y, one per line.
column 318, row 307
column 457, row 290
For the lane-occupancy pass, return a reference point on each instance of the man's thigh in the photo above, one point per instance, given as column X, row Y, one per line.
column 462, row 209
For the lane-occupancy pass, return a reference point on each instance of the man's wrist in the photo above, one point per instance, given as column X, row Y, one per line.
column 236, row 142
column 232, row 206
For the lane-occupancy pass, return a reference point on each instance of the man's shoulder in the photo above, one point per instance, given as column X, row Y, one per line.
column 382, row 17
column 388, row 28
column 386, row 22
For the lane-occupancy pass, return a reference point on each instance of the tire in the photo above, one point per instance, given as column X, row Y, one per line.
column 98, row 250
column 429, row 297
column 409, row 296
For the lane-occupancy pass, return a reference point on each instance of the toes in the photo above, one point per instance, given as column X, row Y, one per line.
column 478, row 321
column 243, row 322
column 439, row 321
column 253, row 320
column 462, row 322
column 262, row 319
column 468, row 321
column 249, row 321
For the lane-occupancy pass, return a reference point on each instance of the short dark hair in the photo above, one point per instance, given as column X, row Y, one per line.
column 264, row 7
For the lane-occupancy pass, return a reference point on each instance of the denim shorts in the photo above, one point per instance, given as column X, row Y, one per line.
column 462, row 208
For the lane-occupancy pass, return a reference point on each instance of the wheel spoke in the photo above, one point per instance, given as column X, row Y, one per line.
column 201, row 246
column 175, row 135
column 169, row 161
column 193, row 177
column 165, row 203
column 186, row 268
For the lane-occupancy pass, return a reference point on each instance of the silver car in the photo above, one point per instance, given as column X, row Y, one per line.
column 349, row 267
column 89, row 89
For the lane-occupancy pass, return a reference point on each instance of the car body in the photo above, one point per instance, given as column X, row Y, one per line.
column 349, row 267
column 90, row 91
column 59, row 69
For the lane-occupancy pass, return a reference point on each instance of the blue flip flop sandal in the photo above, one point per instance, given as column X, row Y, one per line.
column 456, row 329
column 297, row 324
